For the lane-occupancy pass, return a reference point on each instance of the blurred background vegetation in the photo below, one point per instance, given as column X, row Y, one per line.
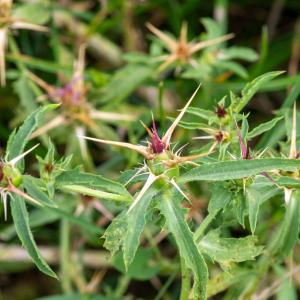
column 122, row 76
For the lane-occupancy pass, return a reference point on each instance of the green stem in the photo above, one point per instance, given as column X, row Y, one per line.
column 160, row 103
column 15, row 50
column 64, row 256
column 122, row 286
column 163, row 290
column 201, row 229
column 185, row 281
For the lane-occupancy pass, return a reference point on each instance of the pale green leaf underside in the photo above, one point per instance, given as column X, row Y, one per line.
column 227, row 250
column 92, row 185
column 94, row 193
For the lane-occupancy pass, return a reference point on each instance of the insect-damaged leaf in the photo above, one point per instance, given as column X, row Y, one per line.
column 125, row 230
column 226, row 250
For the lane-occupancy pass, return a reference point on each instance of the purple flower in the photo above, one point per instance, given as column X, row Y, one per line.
column 220, row 111
column 156, row 143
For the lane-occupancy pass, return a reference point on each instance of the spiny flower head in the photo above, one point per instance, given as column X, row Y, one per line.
column 75, row 109
column 220, row 111
column 158, row 145
column 11, row 179
column 181, row 50
column 73, row 93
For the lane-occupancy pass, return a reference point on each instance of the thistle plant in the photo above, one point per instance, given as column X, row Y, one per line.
column 75, row 111
column 241, row 180
column 163, row 190
column 207, row 203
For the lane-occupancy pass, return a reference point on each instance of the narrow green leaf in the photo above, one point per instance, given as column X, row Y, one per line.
column 271, row 137
column 287, row 236
column 261, row 128
column 81, row 222
column 238, row 169
column 75, row 177
column 25, row 93
column 18, row 139
column 38, row 218
column 39, row 64
column 94, row 193
column 254, row 200
column 236, row 68
column 239, row 53
column 202, row 113
column 21, row 221
column 92, row 185
column 252, row 87
column 170, row 208
column 125, row 81
column 288, row 182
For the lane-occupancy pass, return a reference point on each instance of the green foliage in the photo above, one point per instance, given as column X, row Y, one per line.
column 210, row 197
